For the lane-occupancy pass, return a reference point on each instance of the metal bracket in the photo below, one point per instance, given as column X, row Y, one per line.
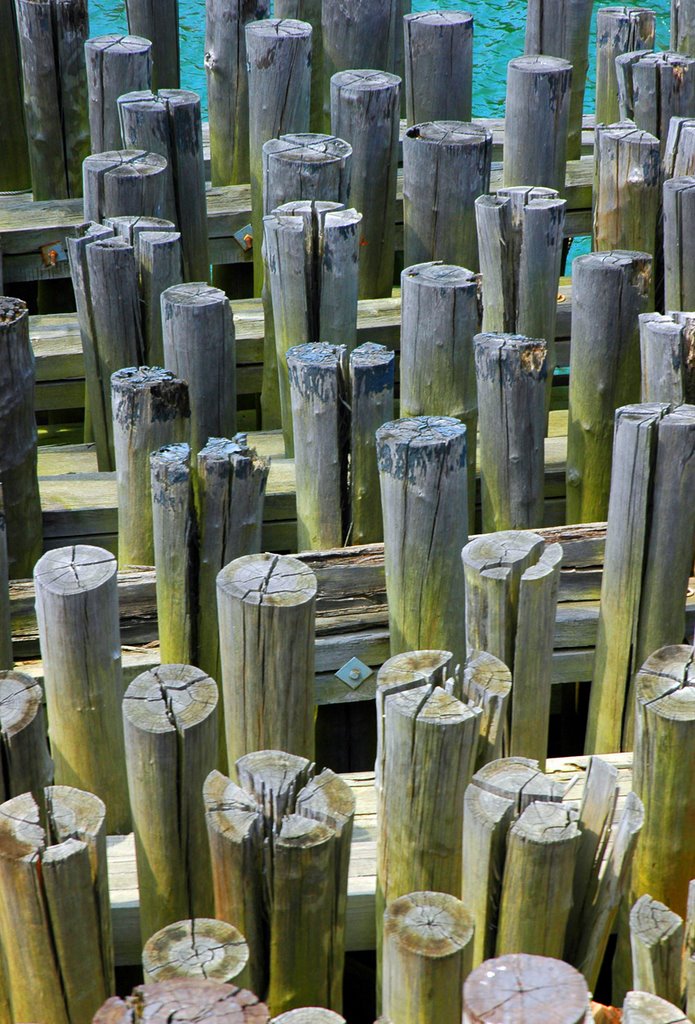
column 53, row 253
column 244, row 237
column 354, row 672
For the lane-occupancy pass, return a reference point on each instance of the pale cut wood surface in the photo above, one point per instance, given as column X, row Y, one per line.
column 200, row 947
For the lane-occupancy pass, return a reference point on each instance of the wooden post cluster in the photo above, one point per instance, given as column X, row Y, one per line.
column 26, row 763
column 656, row 942
column 618, row 30
column 560, row 28
column 203, row 999
column 158, row 20
column 424, row 496
column 170, row 724
column 679, row 261
column 77, row 614
column 497, row 992
column 653, row 88
column 280, row 844
column 169, row 124
column 511, row 586
column 311, row 258
column 446, row 166
column 435, row 40
column 150, row 409
column 627, row 188
column 537, row 121
column 197, row 948
column 520, row 240
column 365, row 112
column 362, row 35
column 52, row 35
column 647, row 561
column 667, row 347
column 610, row 291
column 266, row 606
column 116, row 65
column 54, row 889
column 125, row 182
column 21, row 503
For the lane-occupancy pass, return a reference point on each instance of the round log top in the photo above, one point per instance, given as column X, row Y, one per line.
column 299, row 833
column 364, row 80
column 309, row 1015
column 74, row 569
column 450, row 133
column 305, row 208
column 421, row 432
column 487, row 672
column 626, row 131
column 524, row 989
column 200, row 948
column 21, row 698
column 413, row 668
column 273, row 778
column 11, row 310
column 172, row 457
column 308, row 148
column 125, row 161
column 130, row 227
column 147, row 378
column 431, row 924
column 518, row 779
column 502, row 550
column 328, row 798
column 405, row 448
column 192, row 293
column 145, row 99
column 276, row 27
column 524, row 194
column 72, row 814
column 114, row 42
column 440, row 275
column 646, row 1008
column 666, row 682
column 269, row 580
column 184, row 999
column 614, row 259
column 657, row 57
column 371, row 354
column 170, row 698
column 438, row 706
column 539, row 64
column 542, row 822
column 442, row 19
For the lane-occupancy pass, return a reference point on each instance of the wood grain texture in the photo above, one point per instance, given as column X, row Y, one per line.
column 656, row 941
column 200, row 947
column 15, row 171
column 667, row 350
column 529, row 987
column 618, row 30
column 116, row 64
column 653, row 88
column 678, row 214
column 371, row 404
column 537, row 121
column 158, row 20
column 435, row 40
column 627, row 177
column 645, row 1008
column 356, row 35
column 27, row 766
column 6, row 657
column 163, row 1001
column 125, row 182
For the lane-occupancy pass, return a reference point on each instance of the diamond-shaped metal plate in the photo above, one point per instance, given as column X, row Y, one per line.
column 354, row 672
column 244, row 236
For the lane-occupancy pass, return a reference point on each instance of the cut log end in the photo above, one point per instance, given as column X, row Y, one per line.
column 429, row 924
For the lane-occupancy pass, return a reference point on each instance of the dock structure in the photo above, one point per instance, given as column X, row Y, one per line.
column 347, row 518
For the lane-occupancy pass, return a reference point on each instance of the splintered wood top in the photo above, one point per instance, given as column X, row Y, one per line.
column 189, row 999
column 523, row 989
column 268, row 579
column 74, row 569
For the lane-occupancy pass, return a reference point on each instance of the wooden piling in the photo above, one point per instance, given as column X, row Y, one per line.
column 446, row 166
column 428, row 945
column 487, row 683
column 15, row 170
column 309, row 11
column 116, row 64
column 26, row 762
column 653, row 88
column 424, row 496
column 188, row 997
column 266, row 606
column 174, row 536
column 125, row 182
column 198, row 948
column 561, row 29
column 667, row 348
column 627, row 178
column 169, row 123
column 160, row 266
column 228, row 89
column 317, row 392
column 618, row 30
column 645, row 1008
column 678, row 223
column 158, row 20
column 305, row 166
column 664, row 722
column 360, row 36
column 365, row 112
column 371, row 404
column 537, row 121
column 52, row 35
column 496, row 992
column 170, row 725
column 77, row 614
column 510, row 375
column 656, row 941
column 679, row 155
column 436, row 40
column 682, row 26
column 54, row 892
column 20, row 489
column 611, row 289
column 6, row 658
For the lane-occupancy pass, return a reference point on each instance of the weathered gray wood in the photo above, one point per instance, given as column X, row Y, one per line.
column 610, row 290
column 422, row 473
column 131, row 228
column 498, row 992
column 77, row 612
column 21, row 503
column 198, row 997
column 371, row 404
column 309, row 11
column 446, row 166
column 645, row 1008
column 26, row 764
column 150, row 409
column 279, row 83
column 653, row 88
column 160, row 266
column 169, row 123
column 627, row 188
column 116, row 64
column 174, row 535
column 428, row 947
column 125, row 182
column 560, row 28
column 688, row 971
column 365, row 112
column 52, row 34
column 435, row 40
column 358, row 35
column 6, row 659
column 55, row 895
column 197, row 948
column 682, row 27
column 231, row 483
column 170, row 724
column 200, row 347
column 158, row 20
column 15, row 171
column 656, row 940
column 266, row 609
column 667, row 348
column 486, row 683
column 227, row 84
column 537, row 121
column 679, row 224
column 679, row 156
column 510, row 374
column 618, row 30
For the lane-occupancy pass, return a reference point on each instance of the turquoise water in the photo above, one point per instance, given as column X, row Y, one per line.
column 498, row 36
